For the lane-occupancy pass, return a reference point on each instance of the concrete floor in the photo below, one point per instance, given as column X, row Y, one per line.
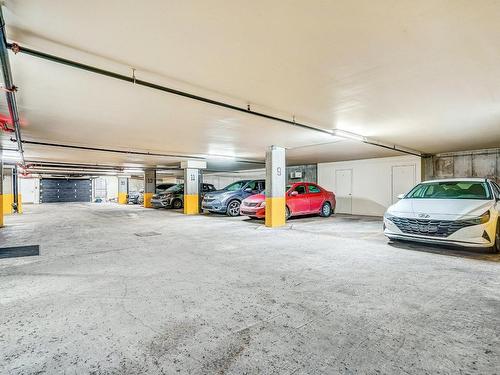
column 219, row 295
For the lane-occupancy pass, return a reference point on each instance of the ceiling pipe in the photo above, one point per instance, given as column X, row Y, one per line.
column 177, row 156
column 16, row 48
column 10, row 89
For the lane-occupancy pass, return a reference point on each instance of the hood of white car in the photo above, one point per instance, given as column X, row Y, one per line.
column 440, row 209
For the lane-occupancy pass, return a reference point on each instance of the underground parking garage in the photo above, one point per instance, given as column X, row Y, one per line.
column 264, row 188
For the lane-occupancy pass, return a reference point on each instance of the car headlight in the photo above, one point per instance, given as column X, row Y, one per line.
column 388, row 216
column 262, row 204
column 483, row 219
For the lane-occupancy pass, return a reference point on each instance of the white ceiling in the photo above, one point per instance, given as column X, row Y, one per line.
column 420, row 74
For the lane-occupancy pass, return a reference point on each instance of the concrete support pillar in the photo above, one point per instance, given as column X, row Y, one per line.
column 275, row 187
column 8, row 194
column 1, row 192
column 191, row 191
column 149, row 186
column 123, row 190
column 192, row 185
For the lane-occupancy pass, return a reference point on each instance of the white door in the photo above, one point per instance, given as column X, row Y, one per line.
column 343, row 191
column 403, row 179
column 28, row 189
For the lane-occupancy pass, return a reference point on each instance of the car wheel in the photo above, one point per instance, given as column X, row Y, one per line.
column 233, row 208
column 496, row 246
column 288, row 214
column 177, row 204
column 326, row 210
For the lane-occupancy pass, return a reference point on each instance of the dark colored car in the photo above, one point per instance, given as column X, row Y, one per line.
column 161, row 188
column 228, row 200
column 137, row 197
column 302, row 198
column 173, row 197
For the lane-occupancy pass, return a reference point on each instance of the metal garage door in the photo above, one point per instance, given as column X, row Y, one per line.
column 65, row 190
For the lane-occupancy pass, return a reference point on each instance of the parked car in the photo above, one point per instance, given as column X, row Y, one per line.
column 228, row 200
column 462, row 212
column 173, row 197
column 302, row 198
column 136, row 197
column 160, row 188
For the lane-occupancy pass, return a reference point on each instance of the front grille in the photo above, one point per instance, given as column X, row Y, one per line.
column 425, row 227
column 251, row 204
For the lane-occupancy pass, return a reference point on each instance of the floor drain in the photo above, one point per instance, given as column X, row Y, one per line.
column 147, row 234
column 19, row 251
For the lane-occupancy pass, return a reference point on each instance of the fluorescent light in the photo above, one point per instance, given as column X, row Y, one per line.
column 132, row 170
column 348, row 135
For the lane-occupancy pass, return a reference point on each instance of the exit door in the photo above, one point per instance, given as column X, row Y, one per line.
column 343, row 191
column 403, row 180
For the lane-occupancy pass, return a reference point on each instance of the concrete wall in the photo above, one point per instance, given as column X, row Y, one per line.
column 309, row 173
column 478, row 163
column 220, row 180
column 372, row 181
column 135, row 184
column 105, row 187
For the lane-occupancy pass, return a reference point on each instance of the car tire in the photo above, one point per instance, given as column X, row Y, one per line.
column 177, row 204
column 326, row 210
column 495, row 249
column 288, row 214
column 233, row 208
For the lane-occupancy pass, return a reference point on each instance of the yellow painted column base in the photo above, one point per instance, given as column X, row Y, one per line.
column 191, row 205
column 1, row 210
column 122, row 198
column 275, row 212
column 147, row 200
column 7, row 200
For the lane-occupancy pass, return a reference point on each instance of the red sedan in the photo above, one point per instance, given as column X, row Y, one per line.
column 302, row 198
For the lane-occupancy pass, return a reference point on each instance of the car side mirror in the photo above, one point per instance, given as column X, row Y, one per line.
column 248, row 190
column 294, row 193
column 401, row 196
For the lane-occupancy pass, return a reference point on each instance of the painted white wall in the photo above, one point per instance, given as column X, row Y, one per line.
column 30, row 190
column 111, row 186
column 220, row 180
column 371, row 181
column 135, row 184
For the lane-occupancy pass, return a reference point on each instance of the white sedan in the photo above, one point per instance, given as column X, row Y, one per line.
column 463, row 212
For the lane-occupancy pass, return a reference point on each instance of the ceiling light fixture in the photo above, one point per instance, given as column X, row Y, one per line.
column 348, row 135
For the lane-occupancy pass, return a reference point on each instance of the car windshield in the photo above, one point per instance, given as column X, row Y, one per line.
column 175, row 188
column 238, row 185
column 451, row 190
